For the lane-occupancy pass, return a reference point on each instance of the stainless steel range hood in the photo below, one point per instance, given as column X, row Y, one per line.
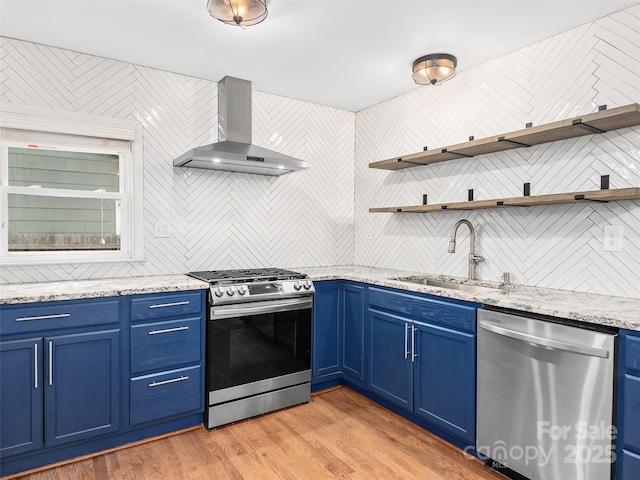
column 234, row 152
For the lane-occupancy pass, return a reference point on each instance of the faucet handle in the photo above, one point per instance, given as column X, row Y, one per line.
column 506, row 278
column 477, row 258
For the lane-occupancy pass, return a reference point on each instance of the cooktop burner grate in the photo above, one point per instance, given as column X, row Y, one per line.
column 219, row 277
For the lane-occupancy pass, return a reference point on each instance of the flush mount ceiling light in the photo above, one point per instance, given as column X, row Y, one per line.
column 242, row 13
column 434, row 69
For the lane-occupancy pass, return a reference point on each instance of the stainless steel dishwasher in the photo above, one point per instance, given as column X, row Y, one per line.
column 545, row 398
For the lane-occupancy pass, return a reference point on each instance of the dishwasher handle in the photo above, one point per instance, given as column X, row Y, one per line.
column 545, row 342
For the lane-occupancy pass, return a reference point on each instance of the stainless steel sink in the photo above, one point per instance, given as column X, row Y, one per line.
column 450, row 285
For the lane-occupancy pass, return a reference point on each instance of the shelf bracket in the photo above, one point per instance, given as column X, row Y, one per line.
column 513, row 142
column 400, row 160
column 582, row 197
column 578, row 123
column 444, row 150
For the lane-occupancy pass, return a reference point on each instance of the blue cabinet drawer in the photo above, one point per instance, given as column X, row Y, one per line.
column 164, row 345
column 447, row 313
column 37, row 317
column 632, row 347
column 166, row 305
column 167, row 394
column 630, row 466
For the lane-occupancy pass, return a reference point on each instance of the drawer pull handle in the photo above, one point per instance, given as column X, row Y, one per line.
column 168, row 330
column 174, row 380
column 175, row 304
column 43, row 317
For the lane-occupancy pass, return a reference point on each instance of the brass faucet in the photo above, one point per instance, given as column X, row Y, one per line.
column 473, row 258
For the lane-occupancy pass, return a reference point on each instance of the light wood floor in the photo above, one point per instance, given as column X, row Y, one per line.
column 339, row 434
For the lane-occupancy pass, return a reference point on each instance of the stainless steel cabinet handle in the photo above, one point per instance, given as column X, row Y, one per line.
column 43, row 317
column 175, row 304
column 546, row 342
column 413, row 343
column 35, row 365
column 174, row 380
column 50, row 363
column 406, row 341
column 168, row 330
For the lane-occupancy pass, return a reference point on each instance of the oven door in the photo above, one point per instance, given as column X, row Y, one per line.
column 258, row 347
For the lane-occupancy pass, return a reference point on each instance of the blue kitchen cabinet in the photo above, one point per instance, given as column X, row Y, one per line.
column 422, row 358
column 353, row 313
column 325, row 357
column 21, row 406
column 82, row 386
column 445, row 378
column 79, row 376
column 628, row 441
column 59, row 389
column 390, row 368
column 629, row 466
column 167, row 356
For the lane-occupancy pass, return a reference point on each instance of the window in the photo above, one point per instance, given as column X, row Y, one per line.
column 67, row 188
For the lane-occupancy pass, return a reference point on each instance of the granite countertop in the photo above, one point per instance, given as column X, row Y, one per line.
column 73, row 289
column 584, row 307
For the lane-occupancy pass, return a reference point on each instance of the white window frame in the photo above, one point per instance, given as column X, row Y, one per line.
column 131, row 183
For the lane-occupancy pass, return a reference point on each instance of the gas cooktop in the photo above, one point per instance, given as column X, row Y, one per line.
column 227, row 277
column 253, row 285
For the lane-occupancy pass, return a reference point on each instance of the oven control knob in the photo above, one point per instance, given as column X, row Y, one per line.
column 231, row 291
column 297, row 286
column 307, row 285
column 242, row 290
column 218, row 292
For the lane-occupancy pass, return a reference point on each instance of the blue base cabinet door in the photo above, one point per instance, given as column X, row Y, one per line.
column 21, row 399
column 353, row 331
column 390, row 368
column 82, row 392
column 628, row 441
column 445, row 379
column 326, row 328
column 630, row 466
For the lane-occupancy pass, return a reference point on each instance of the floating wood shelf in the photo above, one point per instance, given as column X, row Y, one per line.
column 599, row 122
column 555, row 198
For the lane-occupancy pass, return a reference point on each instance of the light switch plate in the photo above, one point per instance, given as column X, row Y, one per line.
column 161, row 230
column 612, row 238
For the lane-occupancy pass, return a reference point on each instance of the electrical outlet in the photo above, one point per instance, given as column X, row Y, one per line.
column 369, row 233
column 612, row 238
column 161, row 230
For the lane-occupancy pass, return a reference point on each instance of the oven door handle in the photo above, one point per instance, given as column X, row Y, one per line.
column 259, row 308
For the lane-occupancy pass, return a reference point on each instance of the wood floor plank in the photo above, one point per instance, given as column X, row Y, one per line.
column 340, row 434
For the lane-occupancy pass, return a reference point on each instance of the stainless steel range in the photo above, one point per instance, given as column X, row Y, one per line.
column 258, row 342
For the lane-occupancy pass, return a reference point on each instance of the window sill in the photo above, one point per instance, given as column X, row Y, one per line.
column 11, row 262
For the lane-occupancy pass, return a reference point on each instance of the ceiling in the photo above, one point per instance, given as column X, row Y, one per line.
column 341, row 53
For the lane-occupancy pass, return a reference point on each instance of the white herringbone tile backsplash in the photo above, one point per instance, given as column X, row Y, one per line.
column 218, row 220
column 320, row 216
column 558, row 246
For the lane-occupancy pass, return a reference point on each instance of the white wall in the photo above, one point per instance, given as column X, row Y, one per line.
column 223, row 220
column 558, row 246
column 218, row 220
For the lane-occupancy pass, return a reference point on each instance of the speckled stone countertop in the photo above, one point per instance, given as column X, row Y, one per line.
column 585, row 307
column 68, row 290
